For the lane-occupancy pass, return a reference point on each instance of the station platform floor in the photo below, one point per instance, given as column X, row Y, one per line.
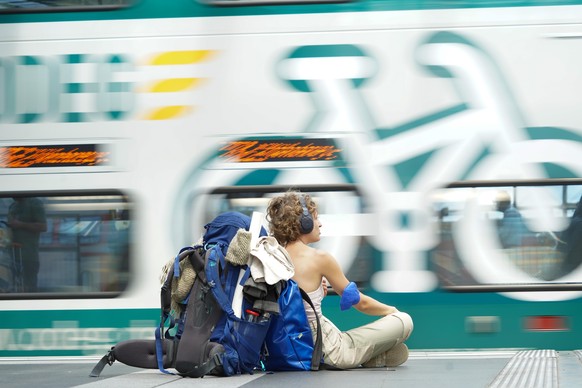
column 448, row 369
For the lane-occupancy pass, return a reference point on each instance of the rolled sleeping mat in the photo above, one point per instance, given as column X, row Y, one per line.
column 137, row 353
column 142, row 353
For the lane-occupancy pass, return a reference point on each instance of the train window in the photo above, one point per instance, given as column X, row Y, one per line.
column 18, row 6
column 341, row 212
column 487, row 238
column 64, row 245
column 509, row 237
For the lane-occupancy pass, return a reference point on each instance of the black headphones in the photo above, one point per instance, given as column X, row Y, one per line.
column 306, row 221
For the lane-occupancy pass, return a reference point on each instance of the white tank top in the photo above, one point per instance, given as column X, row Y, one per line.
column 316, row 297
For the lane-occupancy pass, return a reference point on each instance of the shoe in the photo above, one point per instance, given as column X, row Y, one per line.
column 393, row 357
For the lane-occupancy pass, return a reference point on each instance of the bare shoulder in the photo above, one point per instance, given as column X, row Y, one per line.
column 331, row 270
column 320, row 254
column 325, row 258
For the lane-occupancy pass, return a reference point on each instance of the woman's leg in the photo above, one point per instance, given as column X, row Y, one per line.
column 351, row 348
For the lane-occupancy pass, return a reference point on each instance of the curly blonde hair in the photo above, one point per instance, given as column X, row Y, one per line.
column 284, row 215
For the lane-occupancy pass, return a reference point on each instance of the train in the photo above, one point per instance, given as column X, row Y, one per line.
column 131, row 124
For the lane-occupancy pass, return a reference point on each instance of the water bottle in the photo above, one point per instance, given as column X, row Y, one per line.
column 252, row 315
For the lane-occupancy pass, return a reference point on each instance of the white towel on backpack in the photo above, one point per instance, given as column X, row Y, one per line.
column 270, row 262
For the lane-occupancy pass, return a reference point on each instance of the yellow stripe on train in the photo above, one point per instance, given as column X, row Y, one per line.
column 181, row 57
column 169, row 112
column 174, row 85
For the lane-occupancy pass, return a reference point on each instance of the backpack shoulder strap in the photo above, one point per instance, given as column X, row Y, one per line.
column 214, row 257
column 197, row 325
column 318, row 345
column 196, row 355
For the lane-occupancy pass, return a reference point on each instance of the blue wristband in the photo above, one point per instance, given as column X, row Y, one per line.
column 350, row 297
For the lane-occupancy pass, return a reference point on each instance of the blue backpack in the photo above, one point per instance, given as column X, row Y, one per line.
column 208, row 337
column 289, row 344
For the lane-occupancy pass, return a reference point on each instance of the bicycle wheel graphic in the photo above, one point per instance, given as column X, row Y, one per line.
column 512, row 151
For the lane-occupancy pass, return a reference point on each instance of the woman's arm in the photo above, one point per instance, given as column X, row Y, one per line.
column 334, row 274
column 371, row 306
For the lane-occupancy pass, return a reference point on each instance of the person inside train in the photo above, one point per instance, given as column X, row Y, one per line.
column 293, row 221
column 572, row 238
column 27, row 219
column 511, row 228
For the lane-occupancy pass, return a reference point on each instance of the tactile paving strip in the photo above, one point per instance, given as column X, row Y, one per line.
column 529, row 369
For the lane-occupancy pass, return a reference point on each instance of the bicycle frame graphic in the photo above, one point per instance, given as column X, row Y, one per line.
column 483, row 137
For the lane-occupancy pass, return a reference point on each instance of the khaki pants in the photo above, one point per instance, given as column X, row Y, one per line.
column 351, row 348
